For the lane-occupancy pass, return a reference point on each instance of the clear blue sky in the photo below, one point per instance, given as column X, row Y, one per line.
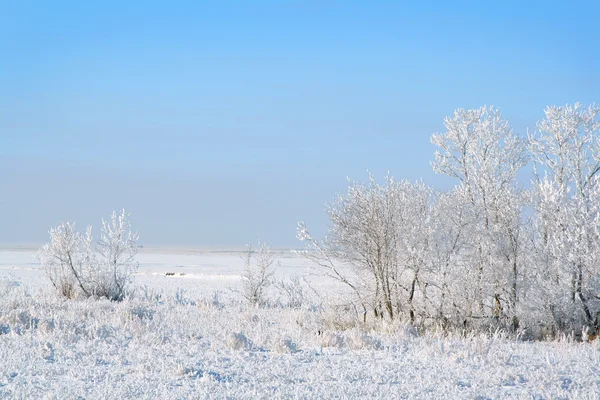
column 219, row 123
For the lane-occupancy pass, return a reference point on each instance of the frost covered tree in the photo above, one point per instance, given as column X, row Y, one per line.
column 258, row 273
column 114, row 265
column 453, row 284
column 480, row 149
column 79, row 267
column 377, row 244
column 566, row 152
column 64, row 260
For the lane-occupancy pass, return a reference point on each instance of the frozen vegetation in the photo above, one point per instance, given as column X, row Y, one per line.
column 488, row 290
column 188, row 335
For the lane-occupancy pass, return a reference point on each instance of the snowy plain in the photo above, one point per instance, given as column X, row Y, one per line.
column 189, row 335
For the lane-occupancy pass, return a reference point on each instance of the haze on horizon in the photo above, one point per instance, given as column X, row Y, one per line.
column 221, row 123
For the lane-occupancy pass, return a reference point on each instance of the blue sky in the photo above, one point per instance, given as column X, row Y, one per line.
column 219, row 123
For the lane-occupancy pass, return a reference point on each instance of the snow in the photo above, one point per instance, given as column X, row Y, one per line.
column 191, row 336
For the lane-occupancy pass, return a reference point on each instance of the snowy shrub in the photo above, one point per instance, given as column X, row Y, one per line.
column 78, row 267
column 340, row 317
column 285, row 345
column 20, row 318
column 258, row 273
column 296, row 291
column 63, row 259
column 215, row 300
column 331, row 339
column 47, row 351
column 142, row 312
column 239, row 341
column 104, row 332
column 357, row 340
column 46, row 326
column 116, row 252
column 147, row 294
column 7, row 285
column 182, row 300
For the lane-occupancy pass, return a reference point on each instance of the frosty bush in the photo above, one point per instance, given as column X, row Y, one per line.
column 258, row 273
column 296, row 292
column 239, row 341
column 79, row 267
column 116, row 251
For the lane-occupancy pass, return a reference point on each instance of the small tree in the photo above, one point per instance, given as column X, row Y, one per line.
column 79, row 268
column 258, row 273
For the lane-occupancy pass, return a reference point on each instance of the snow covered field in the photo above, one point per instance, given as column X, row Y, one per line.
column 189, row 335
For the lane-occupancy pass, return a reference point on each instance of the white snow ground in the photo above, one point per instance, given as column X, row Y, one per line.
column 189, row 336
